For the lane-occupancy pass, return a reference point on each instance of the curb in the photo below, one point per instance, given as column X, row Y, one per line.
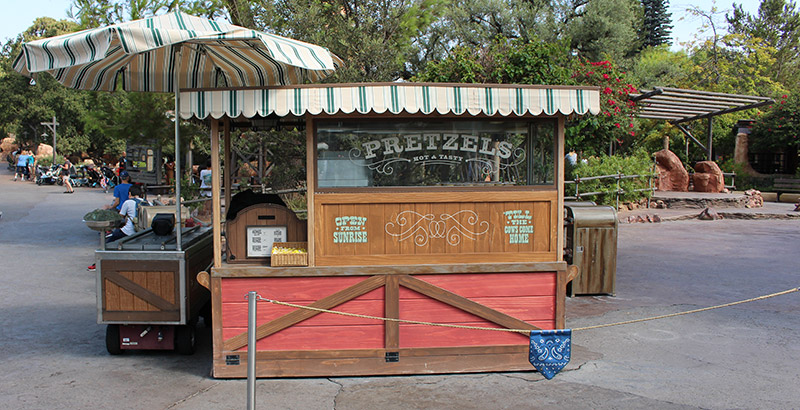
column 655, row 218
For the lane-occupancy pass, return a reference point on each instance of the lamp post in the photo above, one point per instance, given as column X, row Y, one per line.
column 52, row 126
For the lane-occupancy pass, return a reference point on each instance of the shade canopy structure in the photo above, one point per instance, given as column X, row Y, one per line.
column 391, row 98
column 141, row 55
column 679, row 106
column 682, row 105
column 170, row 52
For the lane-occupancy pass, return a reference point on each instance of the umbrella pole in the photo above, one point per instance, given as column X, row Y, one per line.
column 179, row 226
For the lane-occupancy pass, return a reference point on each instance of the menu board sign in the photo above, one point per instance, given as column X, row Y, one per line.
column 261, row 238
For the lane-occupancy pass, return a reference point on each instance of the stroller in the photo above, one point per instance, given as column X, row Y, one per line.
column 77, row 176
column 111, row 179
column 48, row 176
column 93, row 177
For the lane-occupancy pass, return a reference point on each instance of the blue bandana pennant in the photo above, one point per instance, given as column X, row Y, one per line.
column 550, row 351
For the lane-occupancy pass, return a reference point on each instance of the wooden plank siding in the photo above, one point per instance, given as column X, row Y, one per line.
column 435, row 227
column 140, row 290
column 305, row 342
column 516, row 300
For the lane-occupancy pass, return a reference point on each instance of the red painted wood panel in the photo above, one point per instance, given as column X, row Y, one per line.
column 289, row 289
column 502, row 284
column 426, row 336
column 524, row 308
column 527, row 296
column 317, row 338
column 528, row 308
column 235, row 314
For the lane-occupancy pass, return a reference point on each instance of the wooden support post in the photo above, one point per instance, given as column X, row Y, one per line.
column 311, row 183
column 391, row 308
column 228, row 185
column 710, row 137
column 216, row 213
column 559, row 177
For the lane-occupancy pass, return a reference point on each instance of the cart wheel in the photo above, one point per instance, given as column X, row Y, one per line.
column 112, row 340
column 184, row 339
column 205, row 313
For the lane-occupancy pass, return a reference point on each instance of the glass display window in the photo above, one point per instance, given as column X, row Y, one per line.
column 435, row 153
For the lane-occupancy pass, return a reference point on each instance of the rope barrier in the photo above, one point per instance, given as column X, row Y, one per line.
column 525, row 331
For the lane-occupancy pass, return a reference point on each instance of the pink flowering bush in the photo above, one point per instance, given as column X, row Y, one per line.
column 616, row 121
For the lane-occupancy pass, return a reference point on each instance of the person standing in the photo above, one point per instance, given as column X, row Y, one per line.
column 121, row 191
column 66, row 167
column 169, row 170
column 22, row 165
column 205, row 181
column 122, row 164
column 31, row 166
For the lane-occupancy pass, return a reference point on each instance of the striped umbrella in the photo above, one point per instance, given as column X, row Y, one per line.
column 156, row 53
column 146, row 55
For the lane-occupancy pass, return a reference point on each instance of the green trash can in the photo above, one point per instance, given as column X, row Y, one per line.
column 591, row 244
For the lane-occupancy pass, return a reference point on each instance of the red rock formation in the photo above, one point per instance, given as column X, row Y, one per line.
column 8, row 144
column 671, row 174
column 708, row 177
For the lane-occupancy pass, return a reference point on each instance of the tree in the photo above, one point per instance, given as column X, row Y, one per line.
column 98, row 13
column 779, row 128
column 535, row 62
column 375, row 39
column 505, row 61
column 607, row 28
column 776, row 26
column 658, row 66
column 656, row 27
column 23, row 105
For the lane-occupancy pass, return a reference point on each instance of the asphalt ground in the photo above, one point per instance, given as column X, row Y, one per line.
column 742, row 357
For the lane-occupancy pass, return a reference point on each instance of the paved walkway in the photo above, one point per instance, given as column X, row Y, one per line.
column 742, row 357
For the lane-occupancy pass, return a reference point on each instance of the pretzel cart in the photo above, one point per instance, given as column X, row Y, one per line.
column 438, row 203
column 147, row 291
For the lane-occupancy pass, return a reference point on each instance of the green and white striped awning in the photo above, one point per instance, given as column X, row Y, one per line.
column 143, row 55
column 396, row 98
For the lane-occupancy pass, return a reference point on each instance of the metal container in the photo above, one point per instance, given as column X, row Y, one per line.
column 591, row 245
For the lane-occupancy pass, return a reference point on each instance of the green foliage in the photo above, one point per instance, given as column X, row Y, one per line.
column 743, row 180
column 505, row 61
column 189, row 191
column 376, row 39
column 533, row 62
column 46, row 161
column 102, row 215
column 136, row 118
column 779, row 127
column 660, row 67
column 96, row 13
column 477, row 23
column 640, row 163
column 777, row 28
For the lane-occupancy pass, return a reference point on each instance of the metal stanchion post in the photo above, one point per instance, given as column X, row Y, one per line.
column 251, row 350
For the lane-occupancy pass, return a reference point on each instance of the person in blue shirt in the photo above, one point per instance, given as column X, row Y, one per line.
column 22, row 165
column 121, row 191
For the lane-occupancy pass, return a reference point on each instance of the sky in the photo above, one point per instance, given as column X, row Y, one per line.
column 18, row 15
